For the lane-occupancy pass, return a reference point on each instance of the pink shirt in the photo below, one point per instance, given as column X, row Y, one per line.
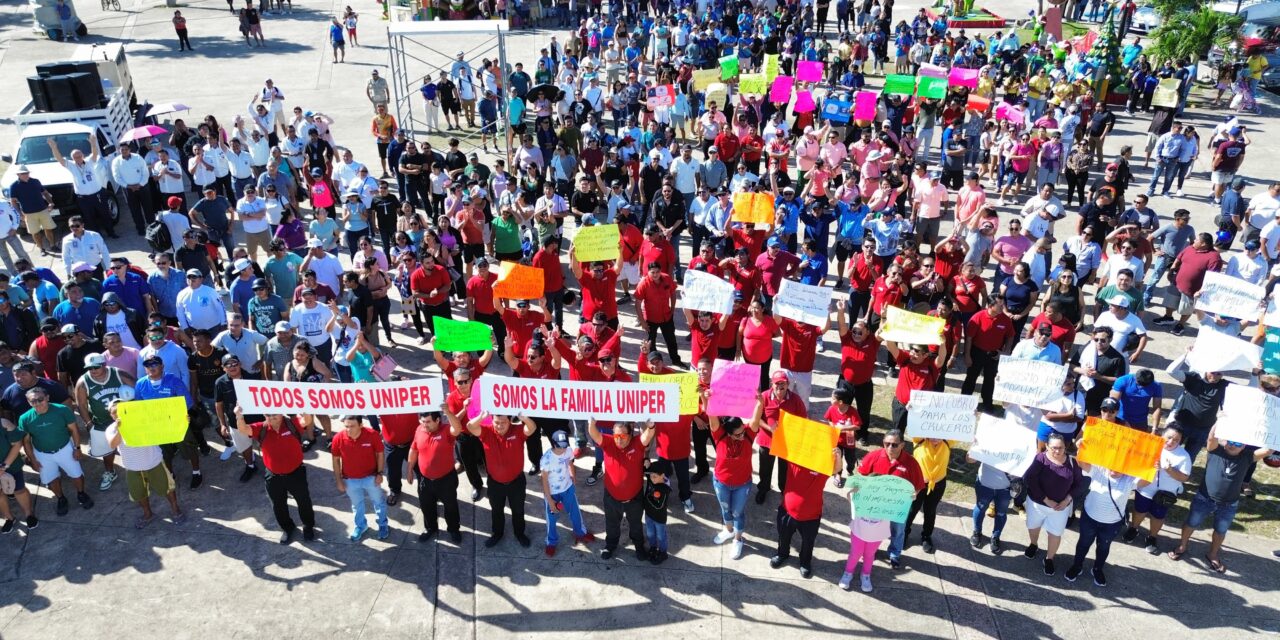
column 833, row 153
column 969, row 203
column 1022, row 149
column 1012, row 247
column 930, row 201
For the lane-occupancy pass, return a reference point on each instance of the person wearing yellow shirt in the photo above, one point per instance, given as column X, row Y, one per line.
column 933, row 455
column 1037, row 90
column 1257, row 64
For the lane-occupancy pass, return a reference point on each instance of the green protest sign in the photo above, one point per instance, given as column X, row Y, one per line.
column 903, row 85
column 729, row 67
column 935, row 88
column 752, row 84
column 453, row 335
column 596, row 242
column 881, row 497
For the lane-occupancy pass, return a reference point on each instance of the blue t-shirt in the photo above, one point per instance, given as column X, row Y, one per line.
column 30, row 195
column 1135, row 399
column 335, row 34
column 814, row 269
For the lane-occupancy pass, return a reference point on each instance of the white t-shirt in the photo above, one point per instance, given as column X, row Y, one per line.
column 557, row 466
column 310, row 323
column 256, row 207
column 1120, row 328
column 118, row 322
column 1107, row 496
column 1180, row 461
column 1263, row 208
column 1111, row 270
column 1073, row 403
column 135, row 458
column 328, row 271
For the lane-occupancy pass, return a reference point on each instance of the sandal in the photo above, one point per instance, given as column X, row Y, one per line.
column 1176, row 555
column 1216, row 565
column 142, row 522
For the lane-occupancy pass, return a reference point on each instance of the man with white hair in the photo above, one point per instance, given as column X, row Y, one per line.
column 90, row 189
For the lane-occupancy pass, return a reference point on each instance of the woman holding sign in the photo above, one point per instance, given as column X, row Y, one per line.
column 1051, row 481
column 1101, row 518
column 890, row 461
column 732, row 475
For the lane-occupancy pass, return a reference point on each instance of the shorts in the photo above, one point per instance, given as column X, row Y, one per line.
column 928, row 227
column 1143, row 504
column 41, row 221
column 1222, row 177
column 1045, row 430
column 1186, row 304
column 255, row 29
column 340, row 46
column 519, row 129
column 630, row 273
column 449, row 106
column 1203, row 506
column 677, row 121
column 1151, row 142
column 472, row 251
column 844, row 250
column 257, row 241
column 488, row 125
column 18, row 483
column 61, row 461
column 382, row 150
column 156, row 481
column 1053, row 521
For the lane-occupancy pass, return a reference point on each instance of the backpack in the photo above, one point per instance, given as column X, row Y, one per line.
column 158, row 238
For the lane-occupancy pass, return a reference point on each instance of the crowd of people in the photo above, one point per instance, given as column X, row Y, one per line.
column 287, row 255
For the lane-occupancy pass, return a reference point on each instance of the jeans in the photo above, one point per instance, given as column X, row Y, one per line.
column 360, row 488
column 1046, row 175
column 1158, row 269
column 569, row 500
column 897, row 536
column 985, row 497
column 1092, row 531
column 395, row 456
column 1166, row 167
column 656, row 534
column 1183, row 169
column 733, row 503
column 352, row 239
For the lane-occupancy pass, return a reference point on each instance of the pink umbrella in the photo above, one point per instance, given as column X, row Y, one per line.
column 146, row 131
column 167, row 107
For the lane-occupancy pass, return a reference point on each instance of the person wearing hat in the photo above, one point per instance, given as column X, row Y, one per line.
column 1228, row 155
column 657, row 490
column 17, row 325
column 53, row 443
column 100, row 387
column 71, row 356
column 560, row 493
column 34, row 202
column 252, row 212
column 159, row 383
column 199, row 306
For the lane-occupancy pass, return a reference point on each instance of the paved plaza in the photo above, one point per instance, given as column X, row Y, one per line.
column 222, row 574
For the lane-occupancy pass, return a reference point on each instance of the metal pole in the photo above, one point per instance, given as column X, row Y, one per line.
column 502, row 69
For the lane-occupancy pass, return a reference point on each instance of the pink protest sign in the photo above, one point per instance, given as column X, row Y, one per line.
column 932, row 71
column 804, row 102
column 781, row 90
column 473, row 407
column 807, row 71
column 734, row 389
column 864, row 107
column 964, row 78
column 1006, row 111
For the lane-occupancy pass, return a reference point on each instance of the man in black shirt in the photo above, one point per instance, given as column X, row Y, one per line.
column 1196, row 410
column 319, row 153
column 224, row 397
column 413, row 166
column 454, row 160
column 585, row 200
column 71, row 356
column 385, row 206
column 1098, row 364
column 205, row 364
column 1099, row 126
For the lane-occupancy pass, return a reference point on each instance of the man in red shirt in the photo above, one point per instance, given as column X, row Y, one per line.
column 1191, row 265
column 630, row 241
column 431, row 457
column 1063, row 331
column 624, row 457
column 358, row 467
column 918, row 370
column 430, row 284
column 521, row 322
column 862, row 273
column 397, row 436
column 988, row 334
column 704, row 333
column 469, row 450
column 706, row 256
column 655, row 302
column 800, row 510
column 280, row 438
column 799, row 350
column 657, row 248
column 503, row 448
column 775, row 264
column 892, row 460
column 548, row 259
column 599, row 285
column 728, row 145
column 773, row 401
column 480, row 305
column 742, row 272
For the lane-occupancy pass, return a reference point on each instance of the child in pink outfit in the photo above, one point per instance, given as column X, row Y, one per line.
column 865, row 537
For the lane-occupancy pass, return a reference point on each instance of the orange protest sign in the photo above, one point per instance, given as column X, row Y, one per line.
column 518, row 282
column 1120, row 448
column 978, row 103
column 805, row 442
column 752, row 207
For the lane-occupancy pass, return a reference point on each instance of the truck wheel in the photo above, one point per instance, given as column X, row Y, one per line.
column 113, row 206
column 82, row 30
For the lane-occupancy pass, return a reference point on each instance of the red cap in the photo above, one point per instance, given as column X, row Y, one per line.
column 779, row 376
column 605, row 353
column 175, row 202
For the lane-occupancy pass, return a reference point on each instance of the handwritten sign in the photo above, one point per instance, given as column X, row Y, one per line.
column 717, row 93
column 805, row 442
column 703, row 78
column 663, row 95
column 705, row 292
column 1250, row 416
column 935, row 88
column 333, row 398
column 807, row 303
column 946, row 416
column 596, row 242
column 734, row 387
column 961, row 77
column 836, row 111
column 809, row 71
column 689, row 394
column 729, row 67
column 1031, row 383
column 804, row 102
column 518, row 282
column 753, row 84
column 780, row 92
column 897, row 84
column 881, row 497
column 454, row 335
column 1002, row 444
column 1166, row 94
column 772, row 64
column 145, row 423
column 580, row 400
column 756, row 208
column 1120, row 449
column 905, row 327
column 1215, row 351
column 1229, row 296
column 865, row 105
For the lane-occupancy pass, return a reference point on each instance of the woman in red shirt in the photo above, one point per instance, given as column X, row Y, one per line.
column 755, row 339
column 919, row 371
column 968, row 291
column 858, row 349
column 732, row 475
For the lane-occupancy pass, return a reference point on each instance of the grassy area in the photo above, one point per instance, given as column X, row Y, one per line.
column 1070, row 29
column 1257, row 516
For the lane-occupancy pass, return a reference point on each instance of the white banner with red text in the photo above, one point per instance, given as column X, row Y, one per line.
column 578, row 400
column 336, row 398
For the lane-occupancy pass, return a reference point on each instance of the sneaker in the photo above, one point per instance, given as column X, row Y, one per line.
column 688, row 506
column 927, row 545
column 588, row 538
column 1031, row 551
column 534, row 471
column 1178, row 193
column 821, row 348
column 384, row 533
column 722, row 537
column 523, row 540
column 248, row 472
column 866, row 583
column 846, row 581
column 226, row 454
column 1049, row 567
column 196, row 480
column 739, row 548
column 806, row 573
column 393, row 498
column 1163, row 320
column 32, row 522
column 475, row 495
column 1099, row 578
column 357, row 534
column 108, row 479
column 1073, row 573
column 975, row 540
column 761, row 494
column 426, row 535
column 1001, row 202
column 1178, row 329
column 1153, row 546
column 550, row 551
column 658, row 556
column 7, row 526
column 594, row 477
column 308, row 533
column 995, row 546
column 839, row 482
column 895, row 564
column 85, row 501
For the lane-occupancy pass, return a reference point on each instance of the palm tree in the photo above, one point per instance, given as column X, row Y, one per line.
column 1191, row 34
column 1166, row 8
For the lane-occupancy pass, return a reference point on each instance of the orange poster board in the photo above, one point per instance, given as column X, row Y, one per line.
column 752, row 207
column 519, row 282
column 805, row 442
column 1120, row 448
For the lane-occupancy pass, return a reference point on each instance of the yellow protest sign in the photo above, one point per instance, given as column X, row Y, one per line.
column 805, row 442
column 1120, row 449
column 518, row 282
column 771, row 66
column 717, row 92
column 905, row 327
column 704, row 78
column 752, row 84
column 596, row 242
column 752, row 207
column 688, row 382
column 1166, row 94
column 153, row 422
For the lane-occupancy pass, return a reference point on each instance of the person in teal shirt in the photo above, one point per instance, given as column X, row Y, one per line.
column 282, row 270
column 55, row 444
column 506, row 236
column 11, row 441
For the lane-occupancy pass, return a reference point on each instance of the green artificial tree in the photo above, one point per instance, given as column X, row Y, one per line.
column 1108, row 74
